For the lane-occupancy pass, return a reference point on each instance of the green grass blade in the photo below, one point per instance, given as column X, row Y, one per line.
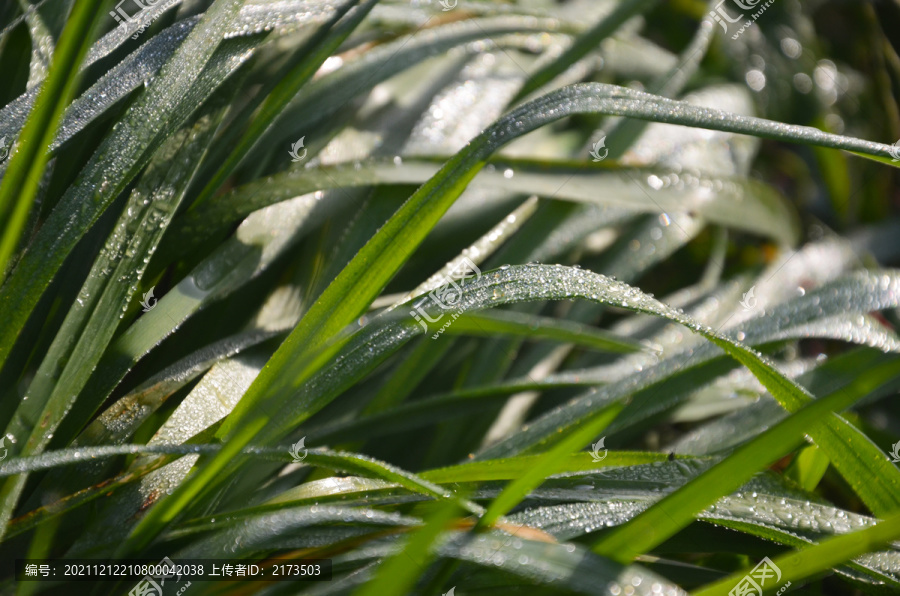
column 547, row 464
column 338, row 461
column 677, row 510
column 323, row 43
column 815, row 559
column 396, row 575
column 19, row 186
column 176, row 92
column 109, row 288
column 762, row 210
column 515, row 467
column 215, row 20
column 583, row 44
column 363, row 279
column 515, row 324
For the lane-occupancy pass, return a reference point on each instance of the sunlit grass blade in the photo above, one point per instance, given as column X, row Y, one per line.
column 809, row 561
column 398, row 574
column 19, row 185
column 363, row 279
column 509, row 323
column 583, row 44
column 176, row 92
column 322, row 44
column 516, row 467
column 677, row 510
column 547, row 464
column 645, row 190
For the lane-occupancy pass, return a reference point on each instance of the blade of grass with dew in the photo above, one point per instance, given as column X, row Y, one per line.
column 124, row 151
column 583, row 44
column 677, row 510
column 516, row 467
column 762, row 210
column 107, row 291
column 865, row 467
column 175, row 79
column 368, row 273
column 796, row 566
column 19, row 186
column 547, row 464
column 395, row 575
column 509, row 323
column 324, row 42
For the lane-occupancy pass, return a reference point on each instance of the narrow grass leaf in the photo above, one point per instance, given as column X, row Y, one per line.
column 375, row 265
column 796, row 566
column 19, row 185
column 548, row 463
column 584, row 44
column 676, row 510
column 398, row 574
column 164, row 106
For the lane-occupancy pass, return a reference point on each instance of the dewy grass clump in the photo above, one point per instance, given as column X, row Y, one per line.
column 449, row 297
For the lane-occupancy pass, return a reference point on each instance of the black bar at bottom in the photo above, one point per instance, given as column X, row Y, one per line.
column 172, row 572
